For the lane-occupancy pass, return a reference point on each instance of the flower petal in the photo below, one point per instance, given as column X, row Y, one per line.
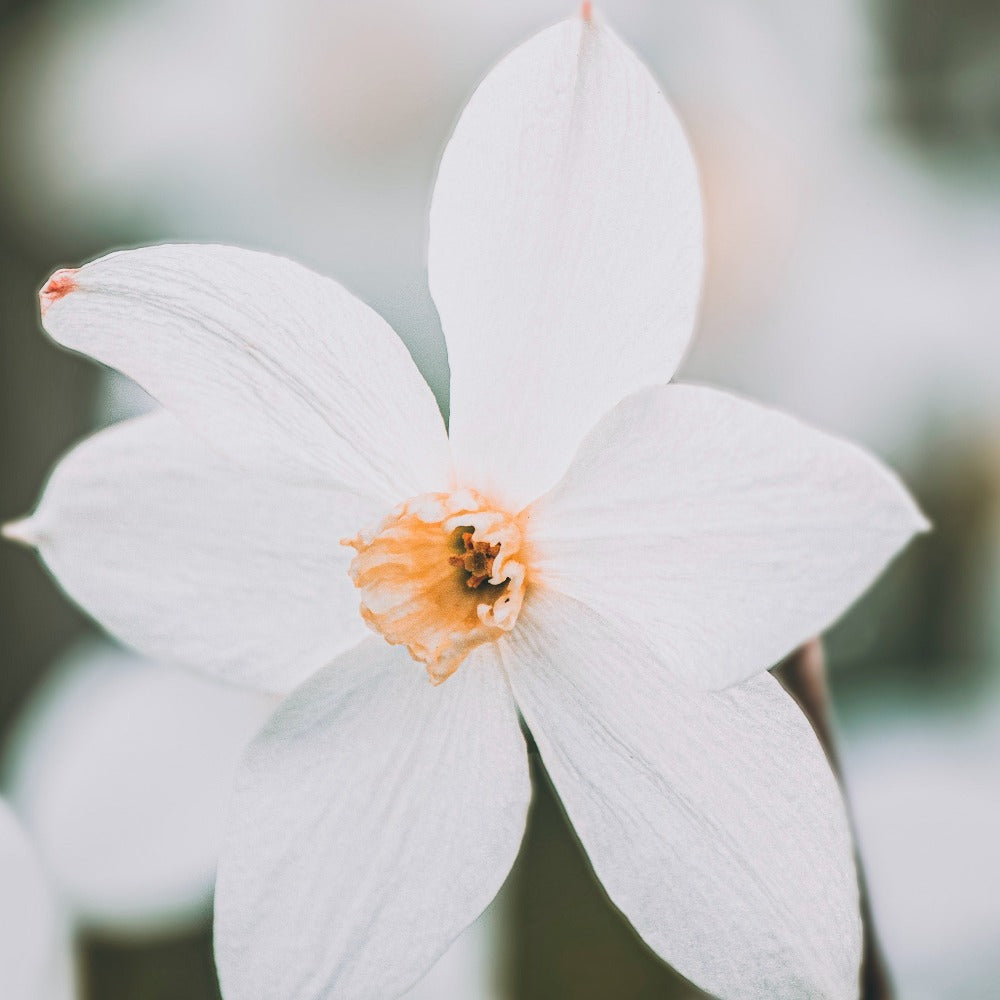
column 711, row 818
column 726, row 532
column 27, row 917
column 192, row 561
column 273, row 364
column 565, row 253
column 374, row 819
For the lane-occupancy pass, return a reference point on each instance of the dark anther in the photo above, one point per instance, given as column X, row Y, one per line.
column 476, row 560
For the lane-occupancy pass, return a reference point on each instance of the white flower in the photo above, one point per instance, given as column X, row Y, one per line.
column 609, row 554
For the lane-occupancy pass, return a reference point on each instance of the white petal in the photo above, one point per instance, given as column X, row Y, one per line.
column 273, row 364
column 121, row 770
column 374, row 819
column 711, row 818
column 27, row 918
column 192, row 561
column 565, row 253
column 726, row 532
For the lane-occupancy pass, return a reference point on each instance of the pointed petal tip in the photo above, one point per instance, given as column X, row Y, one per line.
column 24, row 531
column 918, row 522
column 58, row 286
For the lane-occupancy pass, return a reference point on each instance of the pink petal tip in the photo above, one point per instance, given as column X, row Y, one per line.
column 59, row 285
column 587, row 10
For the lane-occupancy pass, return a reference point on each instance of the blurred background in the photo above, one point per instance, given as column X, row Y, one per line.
column 850, row 155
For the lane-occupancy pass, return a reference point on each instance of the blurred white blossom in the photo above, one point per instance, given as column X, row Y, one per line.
column 35, row 960
column 121, row 770
column 924, row 787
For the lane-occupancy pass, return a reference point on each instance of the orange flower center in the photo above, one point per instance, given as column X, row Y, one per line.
column 441, row 575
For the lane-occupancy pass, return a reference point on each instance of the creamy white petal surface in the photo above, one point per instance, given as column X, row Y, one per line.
column 725, row 532
column 711, row 818
column 374, row 819
column 275, row 365
column 565, row 253
column 190, row 560
column 27, row 919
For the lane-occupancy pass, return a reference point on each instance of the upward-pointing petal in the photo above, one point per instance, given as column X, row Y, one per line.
column 565, row 253
column 273, row 364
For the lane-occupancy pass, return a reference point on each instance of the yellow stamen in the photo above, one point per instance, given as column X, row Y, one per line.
column 439, row 575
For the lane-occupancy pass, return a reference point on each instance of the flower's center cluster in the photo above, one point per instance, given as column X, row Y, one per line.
column 477, row 558
column 442, row 574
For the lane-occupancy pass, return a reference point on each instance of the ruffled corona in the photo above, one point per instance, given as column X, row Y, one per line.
column 442, row 574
